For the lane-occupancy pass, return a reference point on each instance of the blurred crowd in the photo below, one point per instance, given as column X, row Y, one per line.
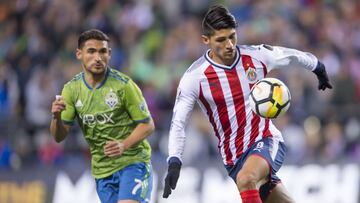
column 154, row 42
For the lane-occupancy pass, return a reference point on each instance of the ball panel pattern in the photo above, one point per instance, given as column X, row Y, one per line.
column 270, row 98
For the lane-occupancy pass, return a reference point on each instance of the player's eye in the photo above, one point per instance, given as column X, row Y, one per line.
column 220, row 39
column 91, row 51
column 103, row 51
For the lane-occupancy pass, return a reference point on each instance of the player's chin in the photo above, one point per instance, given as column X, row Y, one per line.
column 229, row 56
column 98, row 70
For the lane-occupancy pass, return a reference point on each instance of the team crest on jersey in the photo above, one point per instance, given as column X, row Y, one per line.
column 251, row 74
column 142, row 107
column 111, row 99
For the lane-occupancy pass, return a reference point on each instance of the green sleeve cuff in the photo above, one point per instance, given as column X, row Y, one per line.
column 68, row 122
column 146, row 120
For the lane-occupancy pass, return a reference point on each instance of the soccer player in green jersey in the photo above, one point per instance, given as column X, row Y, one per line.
column 114, row 119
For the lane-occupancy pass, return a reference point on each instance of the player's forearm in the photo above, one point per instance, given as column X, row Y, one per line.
column 142, row 131
column 176, row 139
column 58, row 130
column 181, row 116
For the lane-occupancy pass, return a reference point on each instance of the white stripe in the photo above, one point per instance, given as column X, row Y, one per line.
column 261, row 129
column 274, row 149
column 248, row 127
column 275, row 132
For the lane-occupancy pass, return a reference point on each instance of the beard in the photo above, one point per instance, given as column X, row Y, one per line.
column 96, row 70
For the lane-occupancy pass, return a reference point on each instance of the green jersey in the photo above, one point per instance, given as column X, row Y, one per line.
column 109, row 112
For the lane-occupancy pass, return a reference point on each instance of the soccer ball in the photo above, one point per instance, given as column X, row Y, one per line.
column 270, row 98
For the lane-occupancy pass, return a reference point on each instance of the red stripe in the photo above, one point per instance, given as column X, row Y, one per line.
column 238, row 99
column 210, row 114
column 219, row 99
column 265, row 69
column 266, row 131
column 254, row 128
column 248, row 63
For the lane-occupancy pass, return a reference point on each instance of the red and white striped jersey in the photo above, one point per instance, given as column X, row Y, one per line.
column 223, row 92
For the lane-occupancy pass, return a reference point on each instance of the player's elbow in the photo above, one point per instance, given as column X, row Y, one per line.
column 58, row 136
column 59, row 132
column 58, row 139
column 150, row 127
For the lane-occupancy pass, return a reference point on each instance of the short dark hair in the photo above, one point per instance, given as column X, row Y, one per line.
column 91, row 34
column 216, row 18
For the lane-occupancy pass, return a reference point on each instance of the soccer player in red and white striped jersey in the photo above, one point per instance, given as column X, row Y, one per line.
column 252, row 148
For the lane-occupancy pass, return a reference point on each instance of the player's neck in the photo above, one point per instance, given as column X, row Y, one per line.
column 94, row 79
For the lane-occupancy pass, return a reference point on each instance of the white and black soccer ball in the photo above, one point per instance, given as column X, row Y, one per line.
column 270, row 98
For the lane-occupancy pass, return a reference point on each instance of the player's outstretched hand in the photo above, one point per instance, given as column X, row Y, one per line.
column 322, row 76
column 58, row 106
column 172, row 176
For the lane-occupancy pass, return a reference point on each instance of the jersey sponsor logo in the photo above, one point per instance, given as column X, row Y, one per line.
column 111, row 99
column 251, row 75
column 93, row 119
column 79, row 104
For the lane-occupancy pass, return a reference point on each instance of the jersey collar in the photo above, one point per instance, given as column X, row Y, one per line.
column 102, row 82
column 213, row 63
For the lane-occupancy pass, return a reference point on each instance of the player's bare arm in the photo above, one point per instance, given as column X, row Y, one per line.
column 114, row 148
column 58, row 129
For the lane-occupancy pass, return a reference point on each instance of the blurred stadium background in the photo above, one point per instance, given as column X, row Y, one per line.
column 154, row 41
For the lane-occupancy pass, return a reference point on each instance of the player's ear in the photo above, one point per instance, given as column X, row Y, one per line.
column 205, row 39
column 110, row 52
column 78, row 54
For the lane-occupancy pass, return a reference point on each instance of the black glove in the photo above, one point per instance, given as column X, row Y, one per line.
column 322, row 76
column 172, row 176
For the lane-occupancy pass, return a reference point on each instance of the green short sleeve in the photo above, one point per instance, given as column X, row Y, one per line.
column 68, row 115
column 135, row 103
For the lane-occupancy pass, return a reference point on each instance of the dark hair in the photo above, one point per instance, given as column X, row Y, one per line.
column 216, row 18
column 91, row 34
